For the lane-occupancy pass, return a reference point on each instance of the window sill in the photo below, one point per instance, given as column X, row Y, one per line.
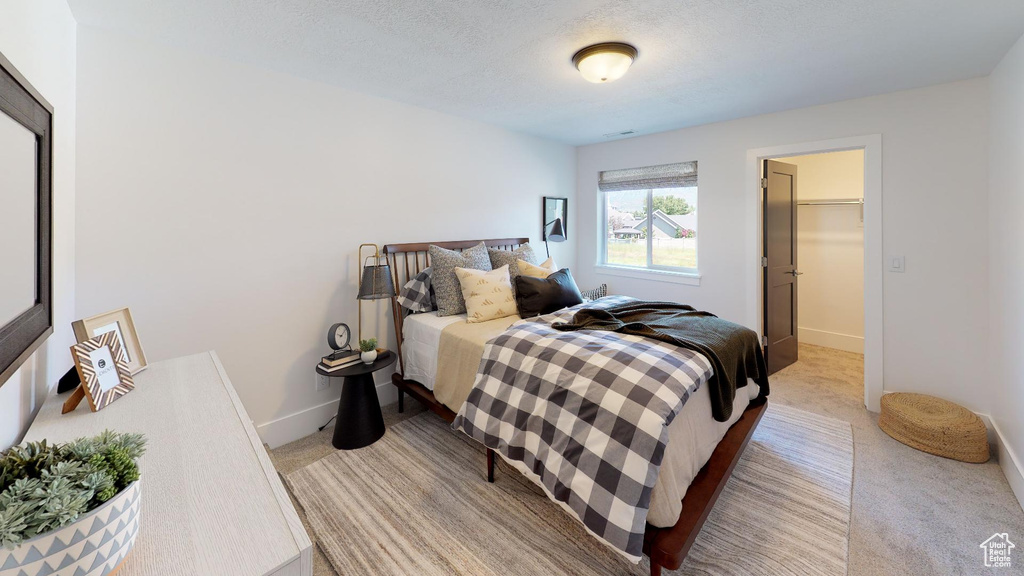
column 688, row 278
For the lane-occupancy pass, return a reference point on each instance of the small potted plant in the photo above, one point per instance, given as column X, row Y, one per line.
column 368, row 349
column 73, row 505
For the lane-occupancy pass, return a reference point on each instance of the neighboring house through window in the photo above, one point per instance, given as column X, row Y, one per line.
column 650, row 218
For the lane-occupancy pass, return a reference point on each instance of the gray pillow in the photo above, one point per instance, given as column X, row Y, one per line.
column 599, row 292
column 501, row 258
column 446, row 284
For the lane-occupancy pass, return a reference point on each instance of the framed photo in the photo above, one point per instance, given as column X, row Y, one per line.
column 103, row 368
column 120, row 323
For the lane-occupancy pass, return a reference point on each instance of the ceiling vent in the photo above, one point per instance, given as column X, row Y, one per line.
column 620, row 134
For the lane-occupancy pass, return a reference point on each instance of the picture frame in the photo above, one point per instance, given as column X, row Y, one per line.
column 103, row 368
column 120, row 322
column 554, row 208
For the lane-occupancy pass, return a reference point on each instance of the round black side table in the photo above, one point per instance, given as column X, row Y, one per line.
column 360, row 422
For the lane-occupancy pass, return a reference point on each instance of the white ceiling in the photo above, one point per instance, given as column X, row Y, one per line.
column 507, row 62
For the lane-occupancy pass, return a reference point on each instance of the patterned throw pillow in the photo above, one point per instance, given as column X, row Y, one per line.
column 510, row 258
column 417, row 295
column 545, row 268
column 446, row 284
column 488, row 295
column 599, row 292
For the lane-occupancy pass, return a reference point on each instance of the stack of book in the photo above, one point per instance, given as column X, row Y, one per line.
column 338, row 360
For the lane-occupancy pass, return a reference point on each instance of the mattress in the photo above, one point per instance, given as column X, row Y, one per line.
column 693, row 434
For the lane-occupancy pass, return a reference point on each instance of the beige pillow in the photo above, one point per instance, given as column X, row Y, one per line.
column 488, row 295
column 546, row 267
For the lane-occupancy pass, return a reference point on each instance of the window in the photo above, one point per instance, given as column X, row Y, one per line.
column 650, row 218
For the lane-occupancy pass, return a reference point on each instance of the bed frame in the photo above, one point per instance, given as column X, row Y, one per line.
column 666, row 547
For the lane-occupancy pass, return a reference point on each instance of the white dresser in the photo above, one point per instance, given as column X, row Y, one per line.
column 212, row 502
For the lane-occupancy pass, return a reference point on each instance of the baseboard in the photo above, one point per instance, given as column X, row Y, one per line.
column 1009, row 462
column 300, row 424
column 831, row 340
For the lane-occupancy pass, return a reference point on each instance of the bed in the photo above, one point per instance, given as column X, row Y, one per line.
column 697, row 460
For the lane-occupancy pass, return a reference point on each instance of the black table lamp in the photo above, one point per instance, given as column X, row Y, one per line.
column 556, row 234
column 375, row 281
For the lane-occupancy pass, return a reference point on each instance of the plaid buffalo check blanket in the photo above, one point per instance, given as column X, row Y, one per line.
column 586, row 413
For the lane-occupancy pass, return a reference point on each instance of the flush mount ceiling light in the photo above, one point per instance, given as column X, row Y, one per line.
column 604, row 62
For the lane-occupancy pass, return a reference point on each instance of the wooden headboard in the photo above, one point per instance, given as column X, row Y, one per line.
column 408, row 260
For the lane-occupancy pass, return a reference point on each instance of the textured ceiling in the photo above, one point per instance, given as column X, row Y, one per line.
column 507, row 62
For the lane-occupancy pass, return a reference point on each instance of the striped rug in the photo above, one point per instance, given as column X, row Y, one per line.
column 416, row 503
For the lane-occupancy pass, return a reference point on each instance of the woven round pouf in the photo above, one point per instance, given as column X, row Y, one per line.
column 935, row 426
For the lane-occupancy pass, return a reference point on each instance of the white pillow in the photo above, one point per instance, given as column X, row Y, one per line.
column 546, row 267
column 488, row 294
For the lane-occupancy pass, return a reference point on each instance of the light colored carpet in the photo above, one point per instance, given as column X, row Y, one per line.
column 416, row 503
column 913, row 513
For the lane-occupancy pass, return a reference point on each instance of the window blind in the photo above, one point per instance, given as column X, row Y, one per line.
column 678, row 175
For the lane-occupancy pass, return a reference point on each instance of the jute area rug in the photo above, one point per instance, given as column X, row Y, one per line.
column 417, row 503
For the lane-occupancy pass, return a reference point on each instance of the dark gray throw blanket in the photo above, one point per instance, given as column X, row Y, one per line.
column 734, row 350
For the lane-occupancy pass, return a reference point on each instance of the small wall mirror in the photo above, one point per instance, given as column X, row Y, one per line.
column 556, row 219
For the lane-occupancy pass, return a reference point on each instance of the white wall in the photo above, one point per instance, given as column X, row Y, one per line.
column 1006, row 239
column 830, row 250
column 935, row 182
column 38, row 37
column 224, row 204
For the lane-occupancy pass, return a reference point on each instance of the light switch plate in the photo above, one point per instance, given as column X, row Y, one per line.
column 897, row 264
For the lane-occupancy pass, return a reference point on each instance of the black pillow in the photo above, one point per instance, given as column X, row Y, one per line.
column 536, row 296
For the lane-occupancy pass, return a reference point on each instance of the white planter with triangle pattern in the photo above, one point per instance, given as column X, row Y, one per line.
column 95, row 545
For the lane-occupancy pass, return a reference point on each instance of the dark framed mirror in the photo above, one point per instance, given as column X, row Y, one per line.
column 555, row 219
column 26, row 209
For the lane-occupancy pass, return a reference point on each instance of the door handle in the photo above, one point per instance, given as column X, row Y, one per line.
column 795, row 273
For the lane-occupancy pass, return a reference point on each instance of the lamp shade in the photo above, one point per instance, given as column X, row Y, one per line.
column 376, row 283
column 557, row 233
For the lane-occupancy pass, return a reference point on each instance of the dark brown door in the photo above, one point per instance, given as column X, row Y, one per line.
column 779, row 265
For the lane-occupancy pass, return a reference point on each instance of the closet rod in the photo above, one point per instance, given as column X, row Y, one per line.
column 837, row 202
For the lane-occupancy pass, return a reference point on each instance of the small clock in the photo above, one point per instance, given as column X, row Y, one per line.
column 338, row 336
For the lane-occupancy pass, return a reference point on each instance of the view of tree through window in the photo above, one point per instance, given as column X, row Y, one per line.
column 652, row 228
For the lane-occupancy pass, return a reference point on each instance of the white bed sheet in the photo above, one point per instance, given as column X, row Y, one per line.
column 421, row 340
column 693, row 434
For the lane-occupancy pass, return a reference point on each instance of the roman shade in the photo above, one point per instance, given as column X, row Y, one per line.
column 682, row 174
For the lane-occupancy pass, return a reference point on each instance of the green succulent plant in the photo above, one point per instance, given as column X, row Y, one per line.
column 368, row 345
column 44, row 487
column 13, row 524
